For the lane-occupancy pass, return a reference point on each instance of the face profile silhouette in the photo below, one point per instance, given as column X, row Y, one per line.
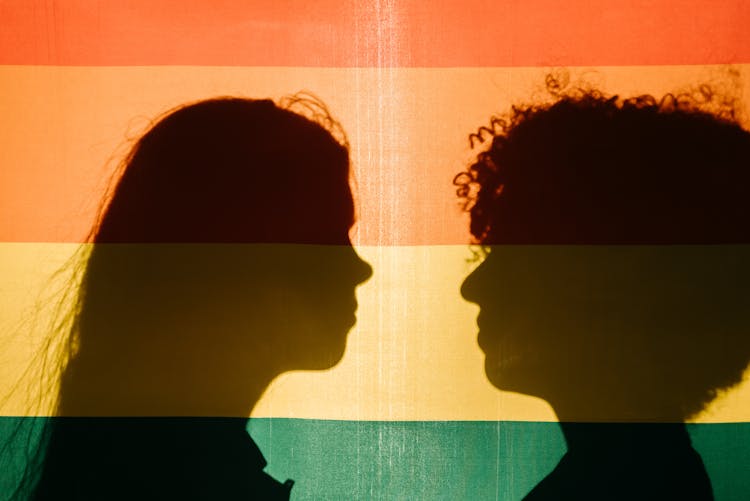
column 222, row 260
column 614, row 283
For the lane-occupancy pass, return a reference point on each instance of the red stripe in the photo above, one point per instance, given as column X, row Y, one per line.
column 406, row 33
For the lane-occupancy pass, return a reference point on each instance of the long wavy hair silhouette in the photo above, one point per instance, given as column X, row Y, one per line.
column 221, row 260
column 616, row 277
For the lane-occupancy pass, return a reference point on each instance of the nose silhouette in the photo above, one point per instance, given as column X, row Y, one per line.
column 470, row 286
column 363, row 270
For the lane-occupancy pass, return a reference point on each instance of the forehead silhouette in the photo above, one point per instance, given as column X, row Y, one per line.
column 595, row 170
column 232, row 170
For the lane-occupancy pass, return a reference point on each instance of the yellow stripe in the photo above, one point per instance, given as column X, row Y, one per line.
column 412, row 355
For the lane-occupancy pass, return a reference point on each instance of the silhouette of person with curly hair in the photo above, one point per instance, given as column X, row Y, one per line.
column 222, row 260
column 615, row 280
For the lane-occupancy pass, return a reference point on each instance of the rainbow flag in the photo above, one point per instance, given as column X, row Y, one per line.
column 408, row 413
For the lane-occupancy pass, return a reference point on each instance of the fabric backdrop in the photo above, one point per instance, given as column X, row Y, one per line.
column 408, row 413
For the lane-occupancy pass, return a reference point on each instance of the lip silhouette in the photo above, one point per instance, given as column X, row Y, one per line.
column 485, row 335
column 352, row 317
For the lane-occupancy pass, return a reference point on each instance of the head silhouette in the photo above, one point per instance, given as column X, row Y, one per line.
column 222, row 260
column 615, row 284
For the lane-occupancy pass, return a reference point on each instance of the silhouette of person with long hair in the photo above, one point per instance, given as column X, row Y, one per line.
column 222, row 260
column 615, row 280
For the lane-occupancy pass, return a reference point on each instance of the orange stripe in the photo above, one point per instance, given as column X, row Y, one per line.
column 64, row 128
column 367, row 33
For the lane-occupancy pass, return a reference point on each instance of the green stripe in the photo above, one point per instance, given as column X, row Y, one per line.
column 453, row 460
